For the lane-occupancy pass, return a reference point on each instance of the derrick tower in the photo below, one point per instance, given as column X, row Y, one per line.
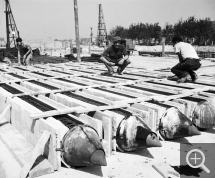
column 11, row 29
column 102, row 32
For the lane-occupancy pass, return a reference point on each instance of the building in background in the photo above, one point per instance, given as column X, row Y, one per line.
column 2, row 42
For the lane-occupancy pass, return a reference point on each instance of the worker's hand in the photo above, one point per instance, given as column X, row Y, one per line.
column 24, row 56
column 111, row 63
column 121, row 61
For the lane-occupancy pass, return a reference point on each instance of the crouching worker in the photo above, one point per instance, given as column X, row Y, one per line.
column 188, row 61
column 115, row 55
column 24, row 52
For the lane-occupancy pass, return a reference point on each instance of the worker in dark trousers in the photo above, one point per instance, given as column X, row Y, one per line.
column 188, row 61
column 24, row 52
column 115, row 55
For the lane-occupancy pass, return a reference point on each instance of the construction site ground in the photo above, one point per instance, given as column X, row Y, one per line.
column 126, row 165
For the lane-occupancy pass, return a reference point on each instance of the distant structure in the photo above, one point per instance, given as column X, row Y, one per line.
column 102, row 32
column 11, row 29
column 2, row 42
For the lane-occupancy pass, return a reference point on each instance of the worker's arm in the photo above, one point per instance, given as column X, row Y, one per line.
column 125, row 56
column 103, row 59
column 125, row 53
column 29, row 50
column 19, row 62
column 180, row 58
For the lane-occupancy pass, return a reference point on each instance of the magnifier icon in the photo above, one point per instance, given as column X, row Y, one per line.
column 202, row 157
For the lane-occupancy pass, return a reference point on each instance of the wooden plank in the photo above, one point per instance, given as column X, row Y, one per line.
column 96, row 124
column 41, row 167
column 37, row 151
column 69, row 101
column 100, row 99
column 33, row 87
column 21, row 150
column 180, row 106
column 189, row 106
column 101, row 108
column 116, row 119
column 159, row 111
column 80, row 88
column 62, row 128
column 106, row 95
column 107, row 126
column 50, row 150
column 5, row 112
column 152, row 116
column 21, row 121
column 32, row 129
column 54, row 112
column 21, row 88
column 16, row 143
column 5, row 98
column 51, row 102
column 142, row 113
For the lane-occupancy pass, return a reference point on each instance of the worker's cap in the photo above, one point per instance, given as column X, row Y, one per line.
column 19, row 39
column 176, row 38
column 116, row 38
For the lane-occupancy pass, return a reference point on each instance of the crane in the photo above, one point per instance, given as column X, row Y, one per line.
column 102, row 32
column 11, row 34
column 11, row 28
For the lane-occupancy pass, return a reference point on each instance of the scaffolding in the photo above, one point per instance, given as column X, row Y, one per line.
column 11, row 29
column 102, row 32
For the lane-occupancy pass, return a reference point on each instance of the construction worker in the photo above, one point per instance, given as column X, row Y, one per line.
column 115, row 55
column 24, row 52
column 188, row 61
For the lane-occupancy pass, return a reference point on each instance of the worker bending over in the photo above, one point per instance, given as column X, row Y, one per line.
column 188, row 61
column 115, row 55
column 24, row 52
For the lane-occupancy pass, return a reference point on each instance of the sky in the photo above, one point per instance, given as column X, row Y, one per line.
column 54, row 19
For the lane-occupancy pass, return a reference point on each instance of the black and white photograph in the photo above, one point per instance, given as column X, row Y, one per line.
column 107, row 88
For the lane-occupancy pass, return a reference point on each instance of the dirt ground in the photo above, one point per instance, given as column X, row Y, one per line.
column 123, row 165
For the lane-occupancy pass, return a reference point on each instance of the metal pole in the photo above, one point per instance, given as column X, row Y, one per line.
column 91, row 35
column 77, row 30
column 90, row 41
column 71, row 47
column 163, row 46
column 7, row 24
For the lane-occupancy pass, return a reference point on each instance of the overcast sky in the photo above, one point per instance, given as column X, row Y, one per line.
column 43, row 19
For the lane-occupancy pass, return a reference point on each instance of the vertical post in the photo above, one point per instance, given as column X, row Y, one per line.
column 163, row 46
column 91, row 34
column 7, row 24
column 77, row 31
column 71, row 47
column 89, row 46
column 90, row 41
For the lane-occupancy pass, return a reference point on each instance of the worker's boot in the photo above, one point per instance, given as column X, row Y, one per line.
column 194, row 76
column 119, row 71
column 184, row 79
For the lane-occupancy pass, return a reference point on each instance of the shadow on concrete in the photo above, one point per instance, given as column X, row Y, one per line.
column 209, row 130
column 187, row 170
column 95, row 170
column 141, row 152
column 181, row 140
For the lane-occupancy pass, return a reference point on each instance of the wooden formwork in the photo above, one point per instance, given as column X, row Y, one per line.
column 146, row 93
